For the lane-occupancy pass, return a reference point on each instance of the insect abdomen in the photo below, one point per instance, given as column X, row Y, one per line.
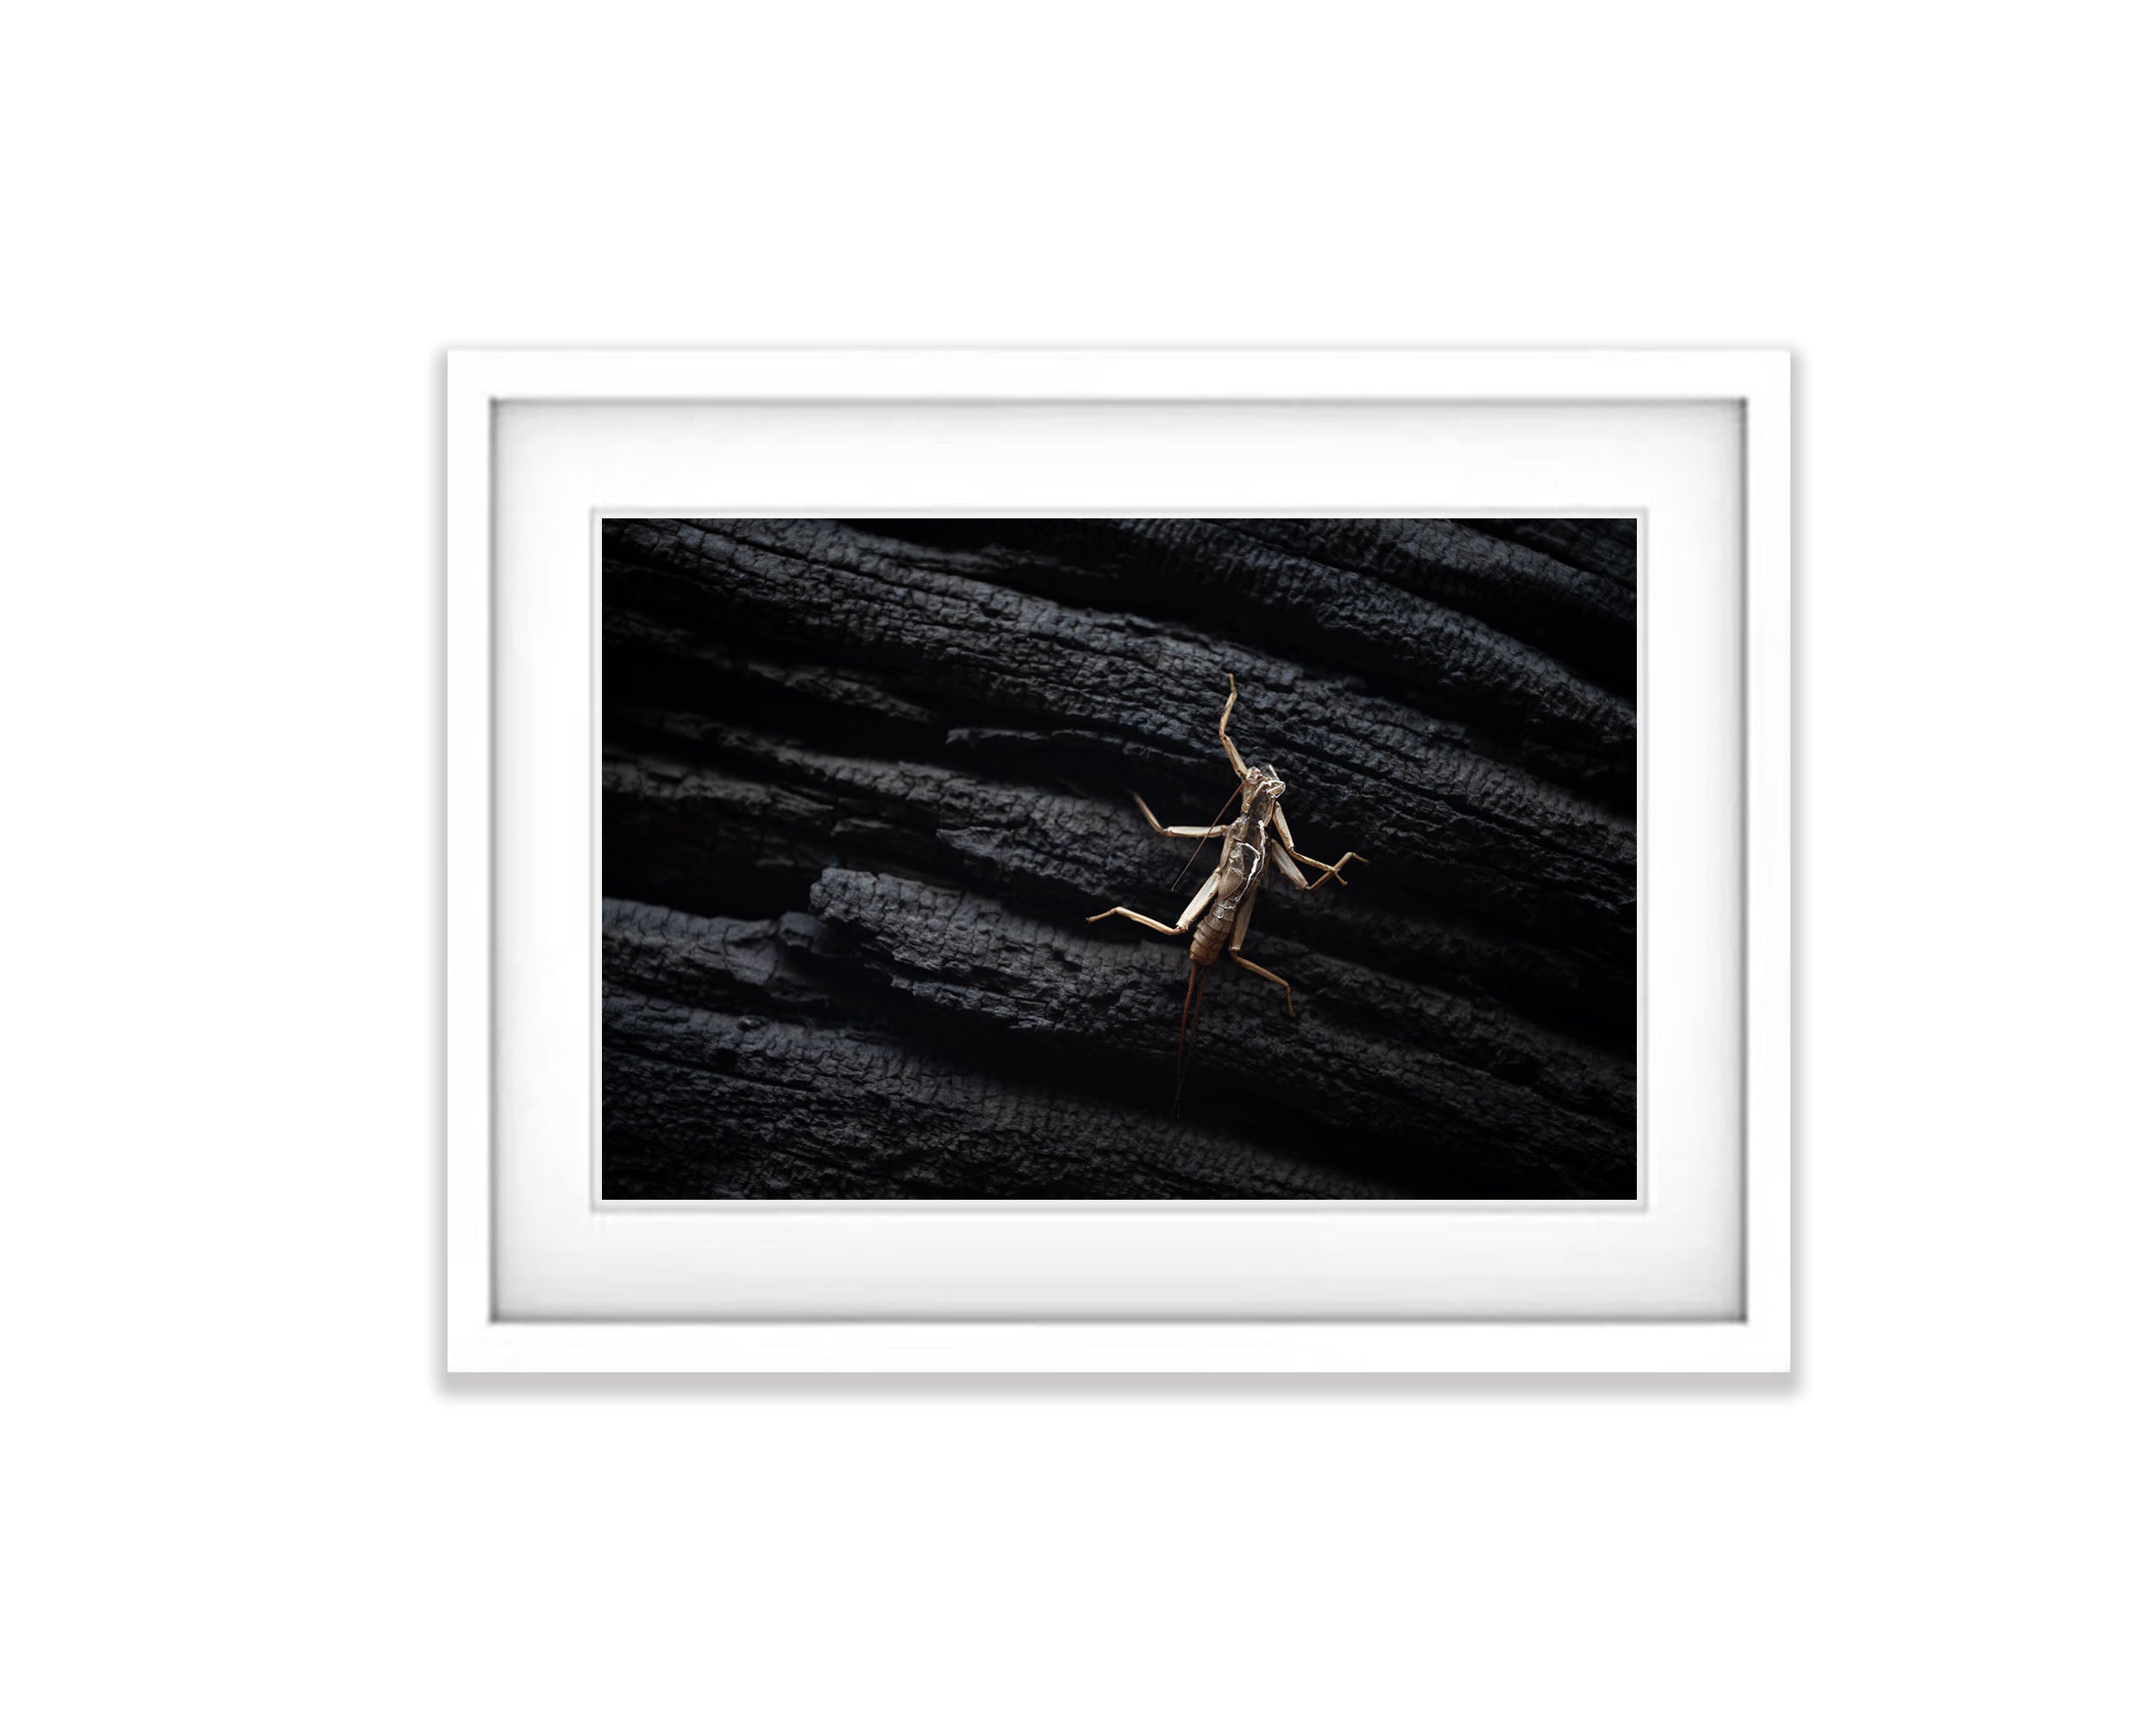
column 1213, row 935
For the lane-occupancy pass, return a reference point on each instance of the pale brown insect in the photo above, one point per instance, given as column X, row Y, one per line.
column 1257, row 840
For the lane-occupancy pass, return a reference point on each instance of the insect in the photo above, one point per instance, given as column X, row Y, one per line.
column 1255, row 842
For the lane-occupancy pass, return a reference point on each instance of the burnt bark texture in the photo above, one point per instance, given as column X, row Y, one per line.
column 863, row 782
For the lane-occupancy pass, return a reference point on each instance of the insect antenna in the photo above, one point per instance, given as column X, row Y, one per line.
column 1202, row 843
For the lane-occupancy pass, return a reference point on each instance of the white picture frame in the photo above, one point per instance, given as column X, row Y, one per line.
column 597, row 1323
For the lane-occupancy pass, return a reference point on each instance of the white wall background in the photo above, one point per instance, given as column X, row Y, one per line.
column 239, row 238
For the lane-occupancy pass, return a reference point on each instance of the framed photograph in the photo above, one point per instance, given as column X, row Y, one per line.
column 1083, row 861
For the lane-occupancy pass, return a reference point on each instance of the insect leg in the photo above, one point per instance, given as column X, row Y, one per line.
column 1178, row 831
column 1285, row 864
column 1188, row 1034
column 1159, row 927
column 1288, row 843
column 1269, row 977
column 1204, row 898
column 1227, row 742
column 1285, row 861
column 1332, row 870
column 1235, row 951
column 1189, row 915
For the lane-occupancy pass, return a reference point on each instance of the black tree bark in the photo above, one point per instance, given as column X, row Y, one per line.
column 863, row 782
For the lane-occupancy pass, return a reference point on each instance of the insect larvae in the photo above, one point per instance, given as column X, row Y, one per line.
column 1255, row 842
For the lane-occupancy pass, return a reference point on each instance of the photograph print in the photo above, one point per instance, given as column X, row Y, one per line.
column 1088, row 859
